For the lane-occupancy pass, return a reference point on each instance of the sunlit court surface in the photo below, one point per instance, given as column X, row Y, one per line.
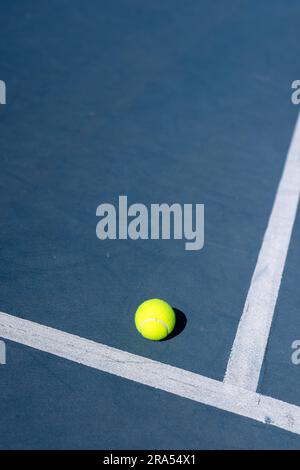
column 150, row 150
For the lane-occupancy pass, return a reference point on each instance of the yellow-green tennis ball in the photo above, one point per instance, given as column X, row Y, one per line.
column 155, row 319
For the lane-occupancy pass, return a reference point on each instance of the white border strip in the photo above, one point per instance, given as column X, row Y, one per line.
column 250, row 343
column 152, row 373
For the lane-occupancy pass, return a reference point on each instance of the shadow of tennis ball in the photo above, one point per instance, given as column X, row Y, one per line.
column 180, row 324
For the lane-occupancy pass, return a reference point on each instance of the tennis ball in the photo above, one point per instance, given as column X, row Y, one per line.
column 155, row 319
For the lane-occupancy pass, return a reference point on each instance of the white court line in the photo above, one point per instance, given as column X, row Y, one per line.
column 152, row 373
column 250, row 343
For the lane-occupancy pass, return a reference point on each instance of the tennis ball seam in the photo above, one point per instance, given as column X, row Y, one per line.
column 157, row 320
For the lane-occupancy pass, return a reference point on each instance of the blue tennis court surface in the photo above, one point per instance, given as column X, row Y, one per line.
column 164, row 102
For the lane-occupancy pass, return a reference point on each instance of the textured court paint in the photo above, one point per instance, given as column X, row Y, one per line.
column 250, row 343
column 152, row 373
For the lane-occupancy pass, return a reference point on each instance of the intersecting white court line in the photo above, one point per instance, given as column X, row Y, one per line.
column 250, row 343
column 236, row 393
column 152, row 373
